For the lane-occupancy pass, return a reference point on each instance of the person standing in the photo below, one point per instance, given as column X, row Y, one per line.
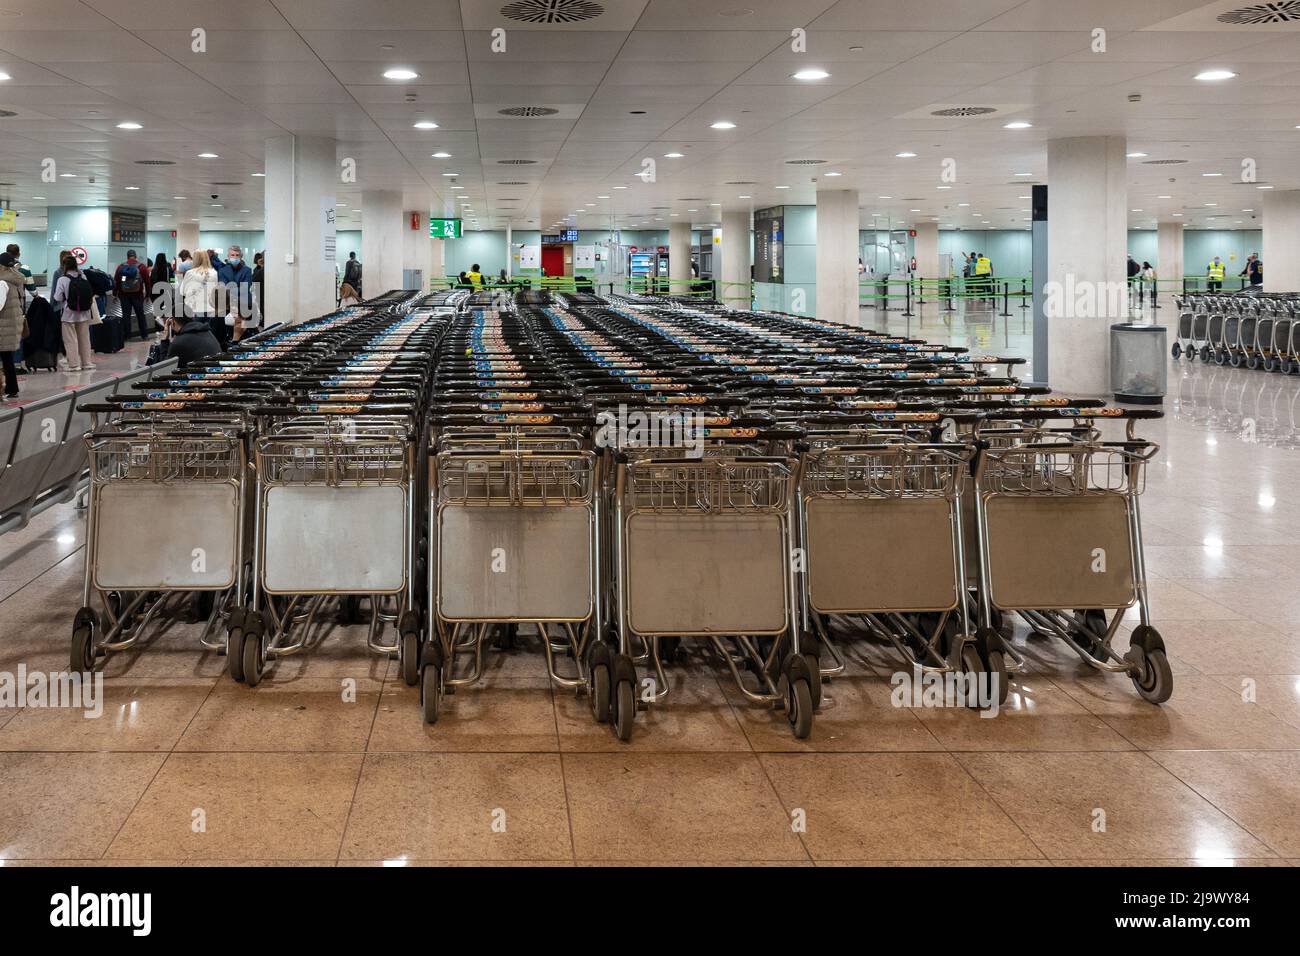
column 1254, row 271
column 198, row 290
column 184, row 263
column 74, row 293
column 259, row 283
column 11, row 319
column 237, row 280
column 130, row 281
column 1214, row 275
column 1147, row 283
column 352, row 273
column 29, row 284
column 474, row 276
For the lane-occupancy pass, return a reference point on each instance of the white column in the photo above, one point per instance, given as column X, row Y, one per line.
column 1087, row 243
column 837, row 256
column 187, row 237
column 1281, row 252
column 510, row 251
column 383, row 224
column 301, row 175
column 1169, row 268
column 679, row 257
column 417, row 247
column 927, row 251
column 733, row 269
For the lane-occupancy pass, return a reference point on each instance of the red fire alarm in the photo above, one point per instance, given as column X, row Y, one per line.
column 173, row 233
column 912, row 233
column 415, row 222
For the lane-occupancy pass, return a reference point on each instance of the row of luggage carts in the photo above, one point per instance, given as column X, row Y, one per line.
column 1254, row 329
column 619, row 477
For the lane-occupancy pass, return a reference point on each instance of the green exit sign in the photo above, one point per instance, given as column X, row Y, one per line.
column 444, row 228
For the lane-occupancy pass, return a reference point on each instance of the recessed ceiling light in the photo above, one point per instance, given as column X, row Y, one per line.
column 129, row 125
column 5, row 76
column 1177, row 215
column 67, row 175
column 38, row 197
column 884, row 197
column 1024, row 174
column 425, row 124
column 451, row 174
column 1211, row 174
column 1164, row 197
column 441, row 155
column 260, row 175
column 963, row 204
column 943, row 187
column 905, row 155
column 834, row 174
column 178, row 197
column 208, row 156
column 132, row 188
column 740, row 197
column 1017, row 124
column 400, row 74
column 723, row 124
column 1263, row 187
column 1212, row 75
column 457, row 187
column 1135, row 155
column 780, row 187
column 811, row 74
column 602, row 197
column 916, row 210
column 1135, row 210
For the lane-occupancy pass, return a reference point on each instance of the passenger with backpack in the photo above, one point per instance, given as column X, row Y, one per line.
column 11, row 319
column 129, row 284
column 75, row 294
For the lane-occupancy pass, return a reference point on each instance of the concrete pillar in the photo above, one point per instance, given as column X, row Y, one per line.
column 1087, row 242
column 187, row 237
column 1169, row 268
column 417, row 248
column 510, row 251
column 301, row 175
column 383, row 227
column 927, row 251
column 679, row 257
column 1281, row 252
column 837, row 256
column 734, row 253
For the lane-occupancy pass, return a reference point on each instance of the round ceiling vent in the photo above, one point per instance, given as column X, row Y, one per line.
column 965, row 111
column 804, row 162
column 154, row 162
column 528, row 111
column 517, row 162
column 551, row 11
column 512, row 183
column 1262, row 14
column 1163, row 162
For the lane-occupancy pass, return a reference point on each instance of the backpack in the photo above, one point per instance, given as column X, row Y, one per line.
column 131, row 279
column 99, row 281
column 80, row 294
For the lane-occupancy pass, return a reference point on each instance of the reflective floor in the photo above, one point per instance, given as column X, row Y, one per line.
column 329, row 762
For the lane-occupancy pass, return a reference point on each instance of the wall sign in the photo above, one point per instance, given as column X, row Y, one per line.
column 328, row 233
column 81, row 255
column 445, row 228
column 126, row 227
column 769, row 244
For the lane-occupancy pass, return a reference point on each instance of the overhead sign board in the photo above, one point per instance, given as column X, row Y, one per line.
column 445, row 228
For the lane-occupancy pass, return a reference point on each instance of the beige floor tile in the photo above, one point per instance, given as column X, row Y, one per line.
column 309, row 714
column 640, row 808
column 459, row 806
column 68, row 806
column 893, row 806
column 934, row 863
column 1201, row 715
column 455, row 863
column 335, row 652
column 1278, row 694
column 857, row 714
column 1055, row 799
column 136, row 715
column 1231, row 647
column 497, row 716
column 1037, row 715
column 254, row 806
column 1261, row 791
column 694, row 716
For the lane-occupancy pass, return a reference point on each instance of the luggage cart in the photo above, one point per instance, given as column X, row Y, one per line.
column 703, row 550
column 166, row 517
column 335, row 518
column 515, row 532
column 1060, row 536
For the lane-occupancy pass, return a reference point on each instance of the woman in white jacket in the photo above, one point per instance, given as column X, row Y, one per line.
column 198, row 289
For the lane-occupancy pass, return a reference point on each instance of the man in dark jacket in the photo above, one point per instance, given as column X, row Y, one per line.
column 129, row 284
column 236, row 281
column 192, row 340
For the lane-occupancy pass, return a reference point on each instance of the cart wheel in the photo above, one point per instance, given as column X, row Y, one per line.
column 1221, row 357
column 998, row 672
column 201, row 606
column 1176, row 351
column 1092, row 622
column 599, row 692
column 350, row 609
column 624, row 709
column 815, row 682
column 1151, row 675
column 82, row 657
column 1252, row 361
column 505, row 637
column 799, row 708
column 409, row 658
column 971, row 665
column 254, row 658
column 430, row 692
column 1234, row 359
column 1206, row 355
column 235, row 653
column 1270, row 364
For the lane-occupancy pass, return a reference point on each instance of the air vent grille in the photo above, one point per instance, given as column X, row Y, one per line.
column 528, row 111
column 1163, row 162
column 805, row 162
column 551, row 11
column 1263, row 14
column 517, row 162
column 154, row 162
column 965, row 111
column 740, row 182
column 512, row 183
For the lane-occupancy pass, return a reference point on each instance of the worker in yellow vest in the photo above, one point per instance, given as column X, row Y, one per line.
column 984, row 275
column 1214, row 275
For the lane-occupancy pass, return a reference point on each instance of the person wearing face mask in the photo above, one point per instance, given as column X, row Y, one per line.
column 236, row 281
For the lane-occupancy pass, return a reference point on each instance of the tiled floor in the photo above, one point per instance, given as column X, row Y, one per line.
column 328, row 761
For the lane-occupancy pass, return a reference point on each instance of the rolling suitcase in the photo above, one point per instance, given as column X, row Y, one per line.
column 108, row 336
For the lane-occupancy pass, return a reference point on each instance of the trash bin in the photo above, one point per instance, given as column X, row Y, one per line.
column 1138, row 369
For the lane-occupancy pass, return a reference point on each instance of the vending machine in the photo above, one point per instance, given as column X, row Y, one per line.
column 640, row 268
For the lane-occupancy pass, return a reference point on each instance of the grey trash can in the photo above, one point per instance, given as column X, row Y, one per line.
column 1138, row 363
